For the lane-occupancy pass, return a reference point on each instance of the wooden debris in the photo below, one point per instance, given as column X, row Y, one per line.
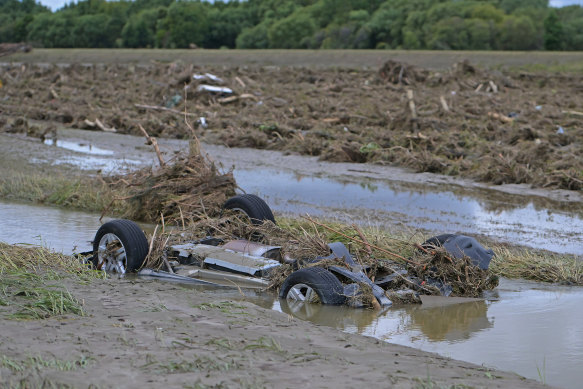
column 575, row 113
column 412, row 104
column 444, row 103
column 97, row 123
column 502, row 118
column 240, row 82
column 230, row 99
column 493, row 86
column 154, row 143
column 54, row 94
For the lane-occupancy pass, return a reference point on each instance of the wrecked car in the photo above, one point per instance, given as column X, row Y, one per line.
column 120, row 246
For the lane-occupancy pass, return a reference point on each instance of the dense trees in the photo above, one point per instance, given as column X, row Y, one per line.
column 326, row 24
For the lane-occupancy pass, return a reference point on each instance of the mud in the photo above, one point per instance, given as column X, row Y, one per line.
column 490, row 126
column 151, row 334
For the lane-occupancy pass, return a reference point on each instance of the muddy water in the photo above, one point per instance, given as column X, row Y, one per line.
column 525, row 327
column 58, row 229
column 366, row 194
column 503, row 217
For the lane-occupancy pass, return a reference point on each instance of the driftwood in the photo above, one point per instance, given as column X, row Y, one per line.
column 159, row 108
column 97, row 123
column 230, row 99
column 502, row 118
column 154, row 143
column 444, row 103
column 575, row 113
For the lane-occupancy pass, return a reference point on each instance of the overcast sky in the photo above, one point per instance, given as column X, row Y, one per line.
column 56, row 4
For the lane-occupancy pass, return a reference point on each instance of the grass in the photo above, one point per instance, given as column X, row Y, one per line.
column 199, row 364
column 86, row 193
column 509, row 262
column 37, row 362
column 319, row 58
column 537, row 266
column 31, row 286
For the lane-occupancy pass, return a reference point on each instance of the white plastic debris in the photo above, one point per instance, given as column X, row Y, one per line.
column 538, row 107
column 208, row 76
column 561, row 130
column 202, row 122
column 213, row 89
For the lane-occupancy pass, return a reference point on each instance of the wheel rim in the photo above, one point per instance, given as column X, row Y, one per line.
column 241, row 214
column 111, row 254
column 302, row 293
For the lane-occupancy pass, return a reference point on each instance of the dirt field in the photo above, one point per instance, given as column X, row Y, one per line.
column 140, row 334
column 489, row 125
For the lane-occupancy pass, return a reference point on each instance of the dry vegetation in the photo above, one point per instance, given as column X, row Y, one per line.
column 496, row 127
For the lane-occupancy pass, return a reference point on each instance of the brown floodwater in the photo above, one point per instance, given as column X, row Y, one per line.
column 366, row 194
column 530, row 328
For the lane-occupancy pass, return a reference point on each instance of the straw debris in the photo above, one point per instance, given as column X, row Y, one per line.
column 192, row 187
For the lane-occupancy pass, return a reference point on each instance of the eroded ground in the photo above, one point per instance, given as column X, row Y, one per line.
column 149, row 334
column 518, row 127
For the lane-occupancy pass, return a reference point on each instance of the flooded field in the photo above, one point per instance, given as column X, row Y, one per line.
column 365, row 194
column 526, row 327
column 392, row 204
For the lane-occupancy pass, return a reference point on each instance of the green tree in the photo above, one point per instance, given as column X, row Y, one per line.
column 253, row 37
column 187, row 23
column 290, row 32
column 509, row 6
column 517, row 33
column 140, row 29
column 225, row 25
column 90, row 31
column 553, row 35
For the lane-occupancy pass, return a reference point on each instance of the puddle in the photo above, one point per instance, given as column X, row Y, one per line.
column 79, row 147
column 58, row 229
column 107, row 165
column 503, row 217
column 525, row 327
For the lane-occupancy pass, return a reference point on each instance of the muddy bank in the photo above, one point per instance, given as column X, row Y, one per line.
column 165, row 335
column 501, row 128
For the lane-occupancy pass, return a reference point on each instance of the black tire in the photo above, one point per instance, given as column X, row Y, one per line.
column 132, row 238
column 253, row 206
column 328, row 288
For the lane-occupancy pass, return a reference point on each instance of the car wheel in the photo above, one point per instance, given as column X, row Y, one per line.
column 253, row 206
column 313, row 285
column 120, row 246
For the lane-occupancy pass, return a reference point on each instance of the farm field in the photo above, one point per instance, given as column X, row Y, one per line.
column 474, row 115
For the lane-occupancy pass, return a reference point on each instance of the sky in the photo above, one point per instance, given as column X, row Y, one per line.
column 56, row 4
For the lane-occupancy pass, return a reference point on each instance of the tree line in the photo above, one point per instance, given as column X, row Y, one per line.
column 296, row 24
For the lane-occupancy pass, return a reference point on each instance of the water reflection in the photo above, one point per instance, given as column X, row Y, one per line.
column 530, row 327
column 452, row 322
column 513, row 219
column 87, row 148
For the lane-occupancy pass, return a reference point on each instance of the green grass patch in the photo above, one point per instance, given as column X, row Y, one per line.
column 31, row 286
column 37, row 297
column 200, row 364
column 85, row 193
column 37, row 362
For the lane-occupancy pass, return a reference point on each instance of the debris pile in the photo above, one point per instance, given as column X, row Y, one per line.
column 179, row 192
column 431, row 272
column 478, row 123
